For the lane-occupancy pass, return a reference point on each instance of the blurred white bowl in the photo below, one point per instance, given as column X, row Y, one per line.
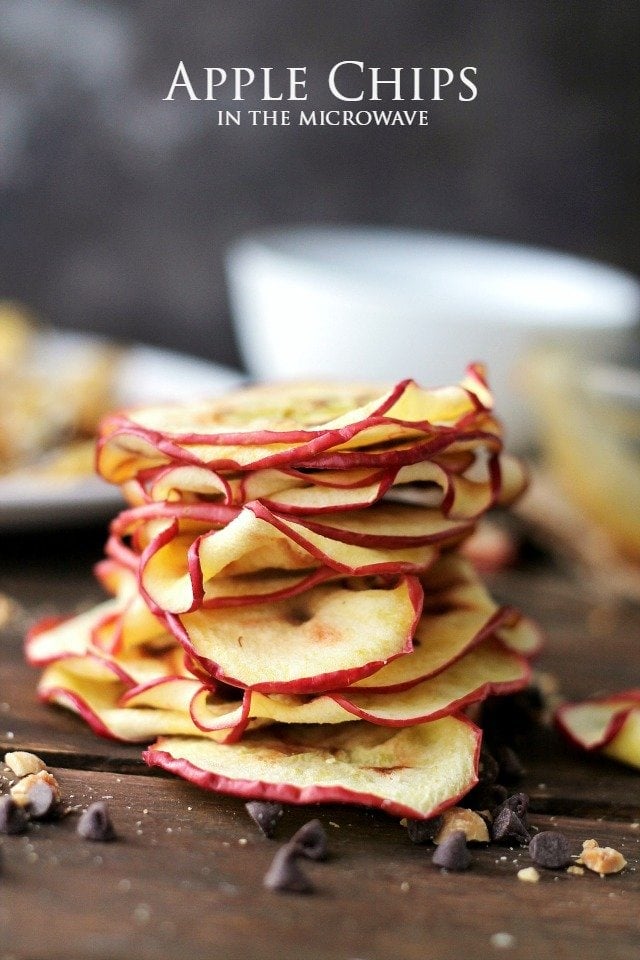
column 388, row 304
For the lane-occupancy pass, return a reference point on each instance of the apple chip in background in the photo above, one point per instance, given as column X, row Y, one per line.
column 584, row 497
column 608, row 725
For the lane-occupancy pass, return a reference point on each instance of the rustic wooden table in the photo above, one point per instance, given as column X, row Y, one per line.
column 184, row 879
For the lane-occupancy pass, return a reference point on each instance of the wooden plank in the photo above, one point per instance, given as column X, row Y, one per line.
column 185, row 880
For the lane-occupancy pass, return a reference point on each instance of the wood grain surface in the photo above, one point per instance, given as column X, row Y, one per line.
column 184, row 878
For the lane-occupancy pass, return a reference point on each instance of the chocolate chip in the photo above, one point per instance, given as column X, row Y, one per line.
column 508, row 828
column 518, row 803
column 13, row 818
column 550, row 849
column 311, row 841
column 285, row 873
column 95, row 823
column 42, row 801
column 266, row 815
column 423, row 831
column 452, row 853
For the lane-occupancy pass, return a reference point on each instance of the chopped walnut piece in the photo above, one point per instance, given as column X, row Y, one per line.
column 602, row 860
column 590, row 844
column 459, row 818
column 22, row 789
column 577, row 871
column 528, row 875
column 23, row 763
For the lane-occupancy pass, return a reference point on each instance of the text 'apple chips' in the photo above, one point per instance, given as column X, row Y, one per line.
column 290, row 614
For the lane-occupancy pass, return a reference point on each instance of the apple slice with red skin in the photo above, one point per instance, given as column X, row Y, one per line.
column 457, row 615
column 54, row 637
column 320, row 640
column 392, row 525
column 280, row 414
column 175, row 579
column 147, row 438
column 162, row 693
column 129, row 453
column 97, row 702
column 135, row 627
column 416, row 772
column 487, row 670
column 132, row 670
column 486, row 433
column 171, row 578
column 179, row 483
column 609, row 725
column 195, row 434
column 119, row 626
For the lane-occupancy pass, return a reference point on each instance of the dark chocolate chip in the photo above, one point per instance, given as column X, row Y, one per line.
column 95, row 823
column 311, row 841
column 285, row 873
column 453, row 853
column 518, row 803
column 42, row 801
column 266, row 815
column 507, row 828
column 13, row 818
column 550, row 849
column 423, row 831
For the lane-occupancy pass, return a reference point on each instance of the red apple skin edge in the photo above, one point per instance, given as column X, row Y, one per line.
column 286, row 793
column 66, row 698
column 474, row 696
column 614, row 726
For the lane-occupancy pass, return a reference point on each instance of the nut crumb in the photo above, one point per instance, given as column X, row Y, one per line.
column 574, row 869
column 528, row 875
column 460, row 818
column 590, row 844
column 502, row 940
column 602, row 860
column 22, row 763
column 21, row 790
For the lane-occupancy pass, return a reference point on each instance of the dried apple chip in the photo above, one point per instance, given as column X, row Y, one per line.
column 319, row 640
column 392, row 525
column 414, row 772
column 176, row 574
column 610, row 725
column 51, row 639
column 457, row 614
column 97, row 702
column 284, row 424
column 487, row 670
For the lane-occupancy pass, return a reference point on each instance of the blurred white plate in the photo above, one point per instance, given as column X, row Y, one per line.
column 144, row 375
column 385, row 304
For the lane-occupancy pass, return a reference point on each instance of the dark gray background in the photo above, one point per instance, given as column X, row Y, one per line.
column 116, row 207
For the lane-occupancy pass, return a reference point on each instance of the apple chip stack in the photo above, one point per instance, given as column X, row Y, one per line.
column 289, row 611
